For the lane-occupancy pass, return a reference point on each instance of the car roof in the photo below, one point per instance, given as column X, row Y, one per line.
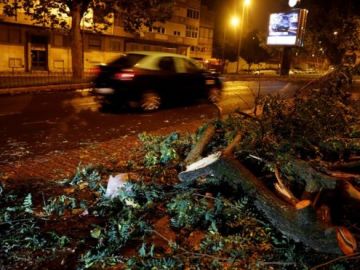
column 157, row 53
column 152, row 57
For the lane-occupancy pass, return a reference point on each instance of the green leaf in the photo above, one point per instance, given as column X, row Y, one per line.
column 142, row 250
column 27, row 204
column 96, row 233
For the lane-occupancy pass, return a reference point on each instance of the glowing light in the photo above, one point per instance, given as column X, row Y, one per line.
column 234, row 21
column 292, row 3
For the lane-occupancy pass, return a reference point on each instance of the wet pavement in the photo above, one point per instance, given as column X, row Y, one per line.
column 36, row 124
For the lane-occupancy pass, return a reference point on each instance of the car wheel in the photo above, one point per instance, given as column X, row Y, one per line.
column 150, row 100
column 214, row 95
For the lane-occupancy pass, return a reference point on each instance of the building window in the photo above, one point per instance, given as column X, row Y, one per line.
column 94, row 43
column 10, row 35
column 206, row 33
column 177, row 33
column 157, row 29
column 192, row 13
column 4, row 35
column 115, row 45
column 191, row 31
column 15, row 36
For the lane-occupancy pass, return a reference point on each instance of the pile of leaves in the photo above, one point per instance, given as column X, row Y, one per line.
column 155, row 222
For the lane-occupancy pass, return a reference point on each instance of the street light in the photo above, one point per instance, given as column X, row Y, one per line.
column 293, row 3
column 234, row 21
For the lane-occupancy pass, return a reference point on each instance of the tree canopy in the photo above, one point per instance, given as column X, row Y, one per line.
column 252, row 50
column 335, row 33
column 56, row 14
column 135, row 14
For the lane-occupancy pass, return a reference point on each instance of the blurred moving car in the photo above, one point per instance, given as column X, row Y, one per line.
column 150, row 78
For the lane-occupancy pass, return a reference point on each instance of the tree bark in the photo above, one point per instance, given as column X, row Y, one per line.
column 301, row 171
column 301, row 225
column 199, row 147
column 77, row 53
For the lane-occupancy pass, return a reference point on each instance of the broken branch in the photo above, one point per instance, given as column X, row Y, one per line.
column 199, row 147
column 301, row 225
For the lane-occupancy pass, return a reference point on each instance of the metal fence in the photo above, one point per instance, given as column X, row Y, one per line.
column 25, row 79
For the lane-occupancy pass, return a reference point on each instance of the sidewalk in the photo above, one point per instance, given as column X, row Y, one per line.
column 44, row 88
column 70, row 86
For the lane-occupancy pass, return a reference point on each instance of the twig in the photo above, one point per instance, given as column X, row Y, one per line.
column 354, row 256
column 248, row 115
column 256, row 157
column 217, row 199
column 317, row 197
column 11, row 222
column 186, row 251
column 284, row 190
column 229, row 149
column 277, row 263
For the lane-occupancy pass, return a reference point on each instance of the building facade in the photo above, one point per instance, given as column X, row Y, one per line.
column 25, row 47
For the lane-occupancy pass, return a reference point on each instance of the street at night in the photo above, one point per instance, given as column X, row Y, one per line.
column 180, row 135
column 36, row 124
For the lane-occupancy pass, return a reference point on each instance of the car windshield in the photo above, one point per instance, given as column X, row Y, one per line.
column 128, row 61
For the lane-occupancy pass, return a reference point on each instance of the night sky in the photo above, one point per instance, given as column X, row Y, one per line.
column 258, row 15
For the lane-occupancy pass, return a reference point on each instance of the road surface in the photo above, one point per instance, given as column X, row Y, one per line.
column 34, row 124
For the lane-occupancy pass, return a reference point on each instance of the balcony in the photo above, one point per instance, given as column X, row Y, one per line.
column 170, row 38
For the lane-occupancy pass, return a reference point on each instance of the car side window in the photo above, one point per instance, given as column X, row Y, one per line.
column 167, row 64
column 191, row 67
column 186, row 66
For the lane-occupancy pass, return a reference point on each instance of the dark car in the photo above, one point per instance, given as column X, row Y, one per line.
column 150, row 78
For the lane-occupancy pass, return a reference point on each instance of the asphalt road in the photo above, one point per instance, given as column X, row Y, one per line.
column 34, row 124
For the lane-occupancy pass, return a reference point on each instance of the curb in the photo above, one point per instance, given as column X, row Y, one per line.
column 44, row 88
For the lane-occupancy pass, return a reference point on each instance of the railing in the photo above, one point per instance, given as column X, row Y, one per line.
column 26, row 79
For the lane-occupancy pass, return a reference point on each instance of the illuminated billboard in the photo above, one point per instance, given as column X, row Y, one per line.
column 287, row 28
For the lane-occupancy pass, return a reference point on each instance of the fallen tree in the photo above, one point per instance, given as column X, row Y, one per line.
column 306, row 144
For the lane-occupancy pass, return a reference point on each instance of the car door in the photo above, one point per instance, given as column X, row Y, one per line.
column 191, row 77
column 167, row 80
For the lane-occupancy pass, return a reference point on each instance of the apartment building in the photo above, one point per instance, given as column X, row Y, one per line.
column 25, row 47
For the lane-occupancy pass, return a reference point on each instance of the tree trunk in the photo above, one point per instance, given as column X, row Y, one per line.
column 77, row 53
column 299, row 223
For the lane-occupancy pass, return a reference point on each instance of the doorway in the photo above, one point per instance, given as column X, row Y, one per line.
column 39, row 52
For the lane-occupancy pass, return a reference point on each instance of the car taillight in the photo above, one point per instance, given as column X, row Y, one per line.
column 125, row 75
column 95, row 70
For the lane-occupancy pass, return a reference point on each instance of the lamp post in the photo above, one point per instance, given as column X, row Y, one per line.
column 245, row 5
column 235, row 22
